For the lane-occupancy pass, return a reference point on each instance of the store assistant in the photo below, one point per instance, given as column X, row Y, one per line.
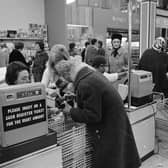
column 101, row 108
column 99, row 63
column 17, row 73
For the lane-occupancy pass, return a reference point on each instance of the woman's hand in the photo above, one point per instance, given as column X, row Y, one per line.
column 67, row 108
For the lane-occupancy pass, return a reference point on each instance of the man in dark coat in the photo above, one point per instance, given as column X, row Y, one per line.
column 91, row 52
column 101, row 108
column 156, row 61
column 16, row 54
column 40, row 60
column 84, row 51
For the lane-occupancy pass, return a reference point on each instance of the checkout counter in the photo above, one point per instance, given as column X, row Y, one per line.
column 142, row 120
column 142, row 112
column 25, row 140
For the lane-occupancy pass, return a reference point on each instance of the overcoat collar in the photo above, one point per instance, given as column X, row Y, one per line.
column 83, row 73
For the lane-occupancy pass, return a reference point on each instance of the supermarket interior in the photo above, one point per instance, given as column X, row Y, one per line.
column 84, row 84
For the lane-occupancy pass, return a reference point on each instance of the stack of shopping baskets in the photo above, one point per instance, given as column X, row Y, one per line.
column 75, row 141
column 56, row 121
column 162, row 127
column 74, row 147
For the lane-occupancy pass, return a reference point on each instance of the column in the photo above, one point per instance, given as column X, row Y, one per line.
column 147, row 24
column 56, row 21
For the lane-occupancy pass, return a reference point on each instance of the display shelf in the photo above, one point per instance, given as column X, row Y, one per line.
column 21, row 39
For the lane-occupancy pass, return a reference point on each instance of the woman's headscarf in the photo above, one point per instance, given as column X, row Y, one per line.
column 159, row 44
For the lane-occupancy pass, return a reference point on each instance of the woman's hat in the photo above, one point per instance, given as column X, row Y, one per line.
column 116, row 36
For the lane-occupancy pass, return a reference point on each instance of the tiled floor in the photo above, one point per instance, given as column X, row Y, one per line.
column 156, row 161
column 160, row 159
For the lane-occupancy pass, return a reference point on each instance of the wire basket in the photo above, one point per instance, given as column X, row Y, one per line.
column 162, row 109
column 56, row 123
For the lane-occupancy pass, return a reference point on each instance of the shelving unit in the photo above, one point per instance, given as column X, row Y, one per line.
column 34, row 33
column 21, row 39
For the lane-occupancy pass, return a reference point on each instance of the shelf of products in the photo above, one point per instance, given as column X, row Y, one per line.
column 34, row 33
column 20, row 39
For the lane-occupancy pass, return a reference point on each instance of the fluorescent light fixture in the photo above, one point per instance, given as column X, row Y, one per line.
column 69, row 1
column 74, row 25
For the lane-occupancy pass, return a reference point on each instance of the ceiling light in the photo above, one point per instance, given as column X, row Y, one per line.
column 69, row 1
column 74, row 25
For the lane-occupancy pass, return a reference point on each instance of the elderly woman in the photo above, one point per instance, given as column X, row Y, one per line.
column 155, row 60
column 101, row 108
column 57, row 53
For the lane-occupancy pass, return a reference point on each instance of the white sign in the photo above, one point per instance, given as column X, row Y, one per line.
column 161, row 22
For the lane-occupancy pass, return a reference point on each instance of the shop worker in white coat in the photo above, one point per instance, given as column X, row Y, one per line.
column 101, row 108
column 99, row 63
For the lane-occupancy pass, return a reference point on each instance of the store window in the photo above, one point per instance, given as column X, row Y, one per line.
column 78, row 20
column 163, row 4
column 83, row 22
column 120, row 25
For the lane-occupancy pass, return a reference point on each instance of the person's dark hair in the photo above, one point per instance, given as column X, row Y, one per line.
column 100, row 43
column 19, row 45
column 13, row 70
column 41, row 44
column 93, row 41
column 72, row 46
column 98, row 60
column 86, row 43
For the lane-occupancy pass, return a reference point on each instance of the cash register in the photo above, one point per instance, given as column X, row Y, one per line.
column 141, row 87
column 23, row 121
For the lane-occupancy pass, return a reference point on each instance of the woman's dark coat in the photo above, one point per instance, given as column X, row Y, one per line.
column 16, row 55
column 90, row 54
column 101, row 108
column 39, row 65
column 157, row 63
